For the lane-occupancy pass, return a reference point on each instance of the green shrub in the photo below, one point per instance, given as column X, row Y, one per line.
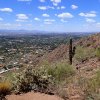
column 92, row 89
column 83, row 53
column 98, row 53
column 94, row 83
column 32, row 80
column 42, row 79
column 60, row 71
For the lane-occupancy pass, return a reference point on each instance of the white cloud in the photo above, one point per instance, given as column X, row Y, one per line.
column 22, row 16
column 64, row 21
column 74, row 6
column 98, row 25
column 49, row 21
column 7, row 24
column 10, row 25
column 56, row 2
column 93, row 12
column 89, row 14
column 1, row 19
column 6, row 10
column 20, row 20
column 63, row 7
column 37, row 19
column 50, row 7
column 25, row 0
column 45, row 7
column 46, row 15
column 42, row 0
column 42, row 7
column 65, row 15
column 90, row 20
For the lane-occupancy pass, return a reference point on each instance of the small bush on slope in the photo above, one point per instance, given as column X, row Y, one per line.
column 83, row 53
column 91, row 87
column 43, row 79
column 5, row 89
column 32, row 80
column 60, row 71
column 98, row 53
column 93, row 84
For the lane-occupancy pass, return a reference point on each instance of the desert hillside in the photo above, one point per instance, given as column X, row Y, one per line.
column 61, row 52
column 54, row 75
column 86, row 61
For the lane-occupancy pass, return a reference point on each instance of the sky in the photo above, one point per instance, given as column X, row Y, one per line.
column 50, row 15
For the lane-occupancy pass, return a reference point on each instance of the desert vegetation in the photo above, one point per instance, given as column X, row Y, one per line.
column 46, row 79
column 79, row 79
column 5, row 89
column 98, row 53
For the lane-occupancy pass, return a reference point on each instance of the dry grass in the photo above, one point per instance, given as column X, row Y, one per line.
column 5, row 89
column 91, row 87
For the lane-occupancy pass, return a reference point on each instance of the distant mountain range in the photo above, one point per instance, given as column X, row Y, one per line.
column 36, row 32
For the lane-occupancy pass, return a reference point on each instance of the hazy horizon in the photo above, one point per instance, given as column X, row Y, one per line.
column 23, row 30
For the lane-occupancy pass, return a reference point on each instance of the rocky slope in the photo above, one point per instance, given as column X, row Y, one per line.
column 61, row 52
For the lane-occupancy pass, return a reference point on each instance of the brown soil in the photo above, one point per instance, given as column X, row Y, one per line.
column 92, row 41
column 33, row 96
column 56, row 55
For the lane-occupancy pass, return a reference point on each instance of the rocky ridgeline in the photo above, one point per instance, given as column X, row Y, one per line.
column 61, row 52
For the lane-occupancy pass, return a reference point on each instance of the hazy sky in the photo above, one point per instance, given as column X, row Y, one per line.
column 50, row 15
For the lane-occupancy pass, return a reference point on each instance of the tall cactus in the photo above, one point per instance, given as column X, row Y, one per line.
column 71, row 51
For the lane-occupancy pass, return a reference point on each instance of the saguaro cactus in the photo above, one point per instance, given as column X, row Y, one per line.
column 71, row 51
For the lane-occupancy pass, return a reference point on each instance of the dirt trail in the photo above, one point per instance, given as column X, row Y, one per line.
column 33, row 96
